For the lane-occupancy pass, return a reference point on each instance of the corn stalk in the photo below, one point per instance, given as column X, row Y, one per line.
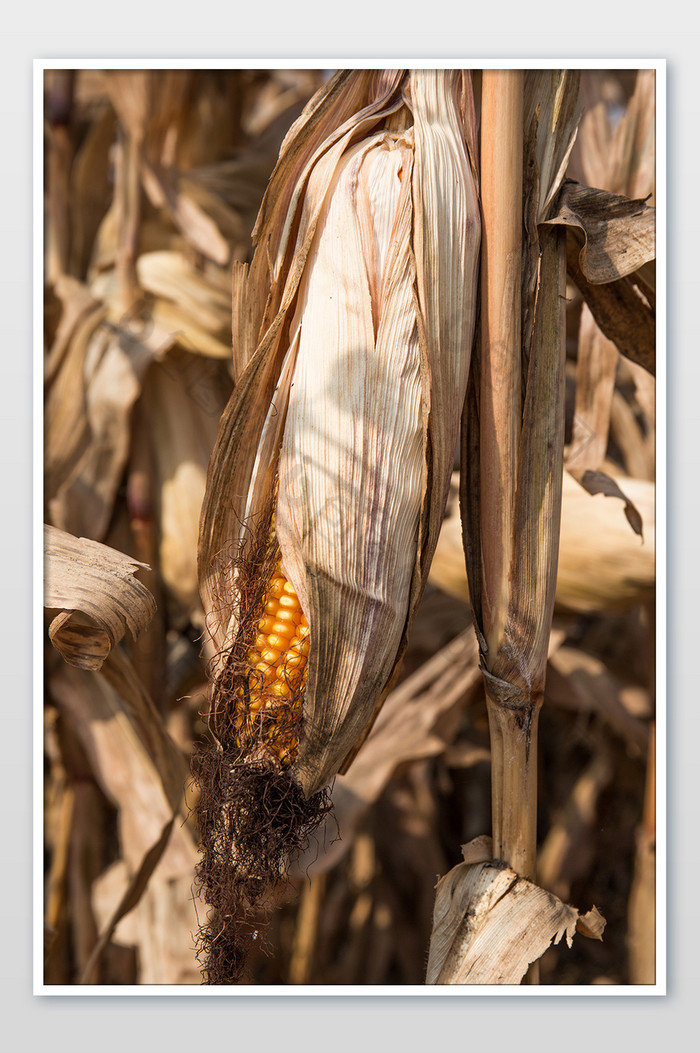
column 513, row 434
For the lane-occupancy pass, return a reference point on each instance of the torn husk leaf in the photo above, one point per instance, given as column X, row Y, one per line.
column 489, row 925
column 351, row 401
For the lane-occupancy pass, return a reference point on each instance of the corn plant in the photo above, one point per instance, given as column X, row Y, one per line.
column 436, row 254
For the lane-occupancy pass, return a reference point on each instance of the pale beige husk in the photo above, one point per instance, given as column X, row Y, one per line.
column 358, row 379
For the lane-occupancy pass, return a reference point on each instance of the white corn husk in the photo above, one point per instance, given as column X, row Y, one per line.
column 355, row 387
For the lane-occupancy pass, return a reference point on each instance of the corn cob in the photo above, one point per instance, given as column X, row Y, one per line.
column 269, row 700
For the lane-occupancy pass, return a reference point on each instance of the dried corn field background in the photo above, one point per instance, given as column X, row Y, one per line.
column 153, row 183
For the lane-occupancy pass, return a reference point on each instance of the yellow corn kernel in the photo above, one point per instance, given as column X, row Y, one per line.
column 300, row 647
column 267, row 672
column 271, row 656
column 278, row 643
column 285, row 629
column 293, row 661
column 277, row 660
column 280, row 689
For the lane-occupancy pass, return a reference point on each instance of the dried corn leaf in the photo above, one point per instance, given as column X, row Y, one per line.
column 165, row 191
column 100, row 597
column 203, row 297
column 91, row 188
column 107, row 382
column 538, row 491
column 114, row 725
column 594, row 144
column 350, row 102
column 591, row 924
column 610, row 248
column 600, row 483
column 580, row 681
column 602, row 564
column 551, row 115
column 619, row 234
column 244, row 338
column 135, row 887
column 596, row 368
column 183, row 398
column 149, row 103
column 204, row 190
column 633, row 167
column 131, row 95
column 66, row 429
column 169, row 763
column 631, row 440
column 59, row 139
column 119, row 760
column 564, row 856
column 489, row 924
column 77, row 303
column 411, row 724
column 155, row 235
column 623, row 310
column 447, row 236
column 622, row 163
column 173, row 320
column 551, row 112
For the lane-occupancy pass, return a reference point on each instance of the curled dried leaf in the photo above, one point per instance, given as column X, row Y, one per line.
column 620, row 234
column 100, row 597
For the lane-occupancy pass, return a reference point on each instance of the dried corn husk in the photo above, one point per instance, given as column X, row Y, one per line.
column 354, row 329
